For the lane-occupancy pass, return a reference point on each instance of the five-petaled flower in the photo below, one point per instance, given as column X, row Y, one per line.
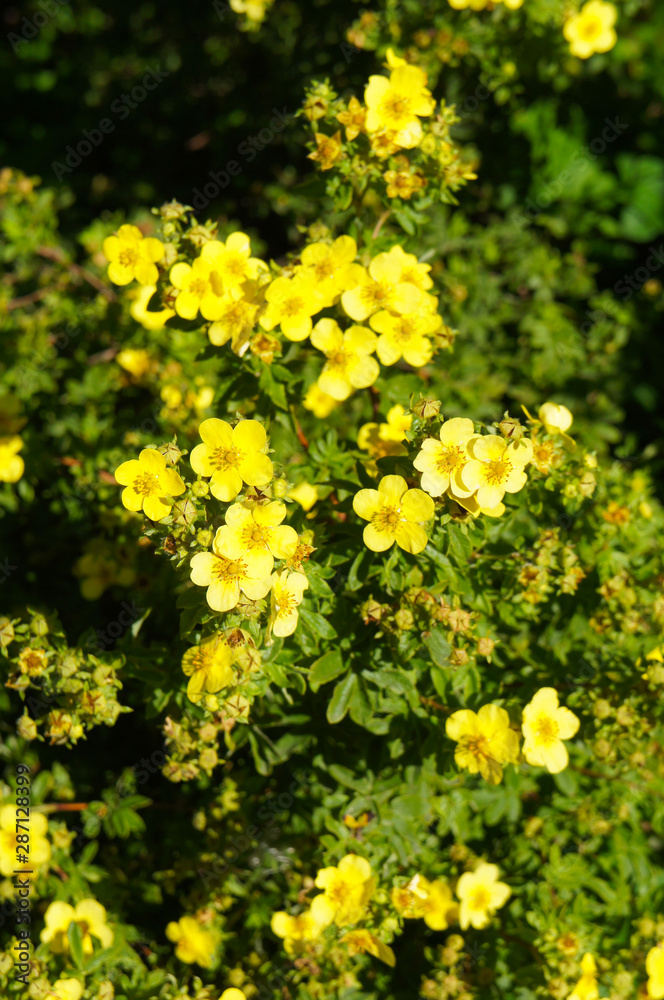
column 291, row 302
column 296, row 929
column 90, row 917
column 655, row 970
column 325, row 263
column 348, row 889
column 362, row 941
column 232, row 456
column 287, row 593
column 405, row 337
column 193, row 942
column 132, row 255
column 591, row 29
column 545, row 725
column 480, row 895
column 397, row 104
column 40, row 849
column 232, row 261
column 149, row 484
column 349, row 363
column 11, row 464
column 439, row 461
column 484, row 741
column 495, row 467
column 255, row 533
column 209, row 667
column 226, row 578
column 381, row 286
column 586, row 988
column 395, row 514
column 199, row 288
column 556, row 418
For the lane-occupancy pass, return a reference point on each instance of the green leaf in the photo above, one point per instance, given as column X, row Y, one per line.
column 326, row 668
column 76, row 944
column 340, row 700
column 317, row 625
column 360, row 704
column 459, row 545
column 439, row 648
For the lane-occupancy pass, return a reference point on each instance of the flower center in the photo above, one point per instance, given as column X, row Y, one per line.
column 293, row 306
column 230, row 569
column 449, row 458
column 547, row 729
column 199, row 287
column 590, row 28
column 255, row 536
column 479, row 899
column 497, row 472
column 233, row 265
column 395, row 107
column 386, row 519
column 225, row 458
column 128, row 257
column 146, row 484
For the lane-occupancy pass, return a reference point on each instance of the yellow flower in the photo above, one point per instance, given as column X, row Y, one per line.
column 404, row 337
column 328, row 150
column 484, row 741
column 439, row 909
column 90, row 917
column 409, row 899
column 38, row 847
column 395, row 514
column 320, row 404
column 556, row 418
column 363, row 941
column 12, row 465
column 586, row 988
column 412, row 271
column 383, row 144
column 232, row 261
column 232, row 993
column 139, row 310
column 225, row 578
column 209, row 667
column 480, row 895
column 232, row 456
column 65, row 989
column 304, row 927
column 287, row 592
column 193, row 942
column 381, row 287
column 256, row 535
column 403, row 183
column 132, row 256
column 495, row 467
column 381, row 440
column 349, row 363
column 397, row 104
column 591, row 30
column 149, row 484
column 440, row 460
column 100, row 566
column 136, row 362
column 33, row 662
column 353, row 119
column 325, row 263
column 199, row 287
column 348, row 891
column 655, row 970
column 305, row 494
column 545, row 726
column 291, row 304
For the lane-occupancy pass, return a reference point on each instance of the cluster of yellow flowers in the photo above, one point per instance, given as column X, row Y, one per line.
column 349, row 887
column 486, row 741
column 483, row 4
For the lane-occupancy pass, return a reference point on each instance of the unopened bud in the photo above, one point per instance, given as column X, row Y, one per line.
column 427, row 408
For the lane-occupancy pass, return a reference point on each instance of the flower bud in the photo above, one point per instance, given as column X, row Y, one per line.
column 427, row 408
column 26, row 728
column 511, row 427
column 204, row 538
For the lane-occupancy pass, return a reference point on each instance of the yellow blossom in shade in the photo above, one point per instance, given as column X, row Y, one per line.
column 379, row 287
column 404, row 337
column 480, row 895
column 440, row 460
column 348, row 889
column 556, row 418
column 655, row 970
column 383, row 144
column 395, row 514
column 439, row 909
column 325, row 263
column 353, row 119
column 296, row 930
column 209, row 667
column 586, row 988
column 404, row 182
column 305, row 494
column 232, row 456
column 291, row 302
column 237, row 314
column 199, row 288
column 39, row 852
column 149, row 484
column 232, row 261
column 361, row 942
column 385, row 439
column 147, row 318
column 328, row 150
column 256, row 535
column 65, row 989
column 591, row 30
column 287, row 592
column 409, row 899
column 397, row 104
column 470, row 504
column 349, row 363
column 226, row 578
column 495, row 467
column 131, row 255
column 12, row 465
column 33, row 662
column 545, row 725
column 194, row 944
column 484, row 741
column 319, row 402
column 91, row 919
column 101, row 566
column 412, row 271
column 136, row 362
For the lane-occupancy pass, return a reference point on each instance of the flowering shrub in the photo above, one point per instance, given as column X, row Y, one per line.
column 334, row 628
